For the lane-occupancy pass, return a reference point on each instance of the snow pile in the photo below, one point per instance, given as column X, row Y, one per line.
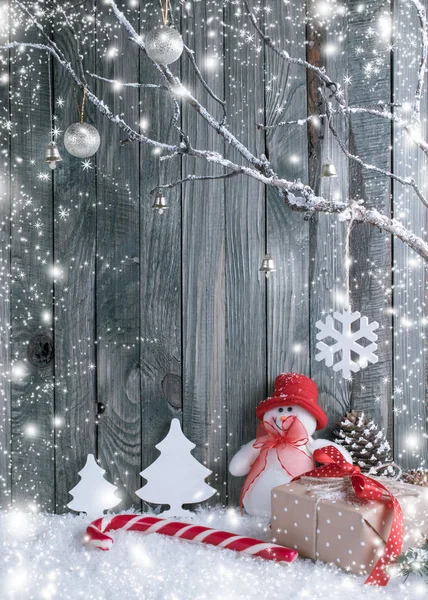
column 42, row 557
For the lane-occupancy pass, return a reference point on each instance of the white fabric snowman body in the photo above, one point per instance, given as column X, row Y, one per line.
column 279, row 469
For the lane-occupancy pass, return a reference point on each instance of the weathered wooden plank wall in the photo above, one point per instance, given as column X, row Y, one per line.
column 203, row 268
column 245, row 223
column 327, row 236
column 370, row 249
column 162, row 315
column 410, row 310
column 5, row 357
column 74, row 312
column 32, row 284
column 117, row 273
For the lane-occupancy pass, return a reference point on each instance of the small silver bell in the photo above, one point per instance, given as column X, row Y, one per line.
column 160, row 203
column 267, row 266
column 52, row 155
column 328, row 169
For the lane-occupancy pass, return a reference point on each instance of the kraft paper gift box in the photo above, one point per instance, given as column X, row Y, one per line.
column 323, row 519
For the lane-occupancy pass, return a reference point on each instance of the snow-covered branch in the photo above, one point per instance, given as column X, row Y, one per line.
column 297, row 195
column 193, row 178
column 421, row 11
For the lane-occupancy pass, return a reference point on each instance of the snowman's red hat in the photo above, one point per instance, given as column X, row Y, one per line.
column 292, row 388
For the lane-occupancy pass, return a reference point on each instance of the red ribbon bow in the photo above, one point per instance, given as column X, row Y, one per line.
column 286, row 443
column 335, row 465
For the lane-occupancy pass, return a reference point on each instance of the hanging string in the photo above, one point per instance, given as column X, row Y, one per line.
column 50, row 98
column 348, row 260
column 80, row 108
column 164, row 10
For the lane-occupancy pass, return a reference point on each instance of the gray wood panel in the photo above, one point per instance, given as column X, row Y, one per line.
column 203, row 280
column 117, row 276
column 245, row 244
column 33, row 477
column 160, row 267
column 5, row 214
column 370, row 248
column 287, row 232
column 75, row 250
column 327, row 233
column 166, row 315
column 409, row 295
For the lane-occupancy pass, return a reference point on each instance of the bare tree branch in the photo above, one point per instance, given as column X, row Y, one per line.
column 297, row 195
column 193, row 178
column 421, row 11
column 335, row 91
column 368, row 167
column 178, row 88
column 207, row 88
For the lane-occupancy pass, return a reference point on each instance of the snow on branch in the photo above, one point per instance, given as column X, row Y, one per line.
column 295, row 194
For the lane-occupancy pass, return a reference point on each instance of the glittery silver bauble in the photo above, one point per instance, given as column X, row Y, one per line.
column 81, row 140
column 164, row 45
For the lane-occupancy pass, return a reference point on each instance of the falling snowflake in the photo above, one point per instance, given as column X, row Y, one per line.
column 345, row 342
column 86, row 164
column 43, row 176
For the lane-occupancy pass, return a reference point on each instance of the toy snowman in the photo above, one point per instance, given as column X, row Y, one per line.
column 283, row 448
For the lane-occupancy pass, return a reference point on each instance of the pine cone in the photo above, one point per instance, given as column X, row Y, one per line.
column 367, row 444
column 416, row 477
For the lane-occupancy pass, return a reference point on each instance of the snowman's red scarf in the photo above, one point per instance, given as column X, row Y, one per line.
column 286, row 443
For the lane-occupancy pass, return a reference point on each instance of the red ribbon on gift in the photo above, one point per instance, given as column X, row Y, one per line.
column 335, row 465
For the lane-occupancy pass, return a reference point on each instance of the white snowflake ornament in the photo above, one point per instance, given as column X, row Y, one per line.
column 346, row 342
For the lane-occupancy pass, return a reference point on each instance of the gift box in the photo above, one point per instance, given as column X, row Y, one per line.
column 324, row 519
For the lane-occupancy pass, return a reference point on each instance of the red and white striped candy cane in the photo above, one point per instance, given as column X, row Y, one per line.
column 96, row 536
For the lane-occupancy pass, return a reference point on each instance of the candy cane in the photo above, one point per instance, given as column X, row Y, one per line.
column 96, row 536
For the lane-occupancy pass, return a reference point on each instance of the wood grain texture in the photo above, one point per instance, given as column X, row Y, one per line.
column 203, row 280
column 287, row 232
column 33, row 475
column 327, row 234
column 5, row 215
column 409, row 295
column 161, row 316
column 370, row 248
column 117, row 276
column 160, row 268
column 245, row 244
column 74, row 252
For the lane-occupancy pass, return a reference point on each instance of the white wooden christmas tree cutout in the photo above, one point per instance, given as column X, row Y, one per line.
column 175, row 477
column 93, row 494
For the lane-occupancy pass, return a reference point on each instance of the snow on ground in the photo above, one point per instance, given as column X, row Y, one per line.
column 42, row 557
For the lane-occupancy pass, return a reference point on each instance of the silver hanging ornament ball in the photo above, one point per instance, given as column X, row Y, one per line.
column 164, row 45
column 328, row 170
column 267, row 266
column 52, row 155
column 81, row 140
column 160, row 203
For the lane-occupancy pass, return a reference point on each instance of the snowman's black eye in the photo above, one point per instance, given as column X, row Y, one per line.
column 280, row 410
column 290, row 408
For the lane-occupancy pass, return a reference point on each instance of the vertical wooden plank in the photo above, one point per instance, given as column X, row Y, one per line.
column 160, row 265
column 287, row 232
column 370, row 248
column 203, row 278
column 74, row 253
column 409, row 295
column 117, row 278
column 32, row 282
column 327, row 47
column 5, row 211
column 245, row 243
